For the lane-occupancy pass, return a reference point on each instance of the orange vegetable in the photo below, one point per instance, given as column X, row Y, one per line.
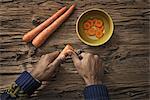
column 98, row 23
column 100, row 28
column 91, row 31
column 91, row 22
column 65, row 51
column 40, row 39
column 94, row 27
column 33, row 33
column 99, row 33
column 86, row 25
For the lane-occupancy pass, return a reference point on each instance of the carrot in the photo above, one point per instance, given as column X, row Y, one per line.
column 98, row 23
column 99, row 33
column 33, row 33
column 65, row 50
column 91, row 22
column 100, row 28
column 40, row 39
column 86, row 25
column 94, row 27
column 91, row 31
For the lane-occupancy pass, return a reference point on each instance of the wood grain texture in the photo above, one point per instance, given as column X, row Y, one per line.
column 125, row 56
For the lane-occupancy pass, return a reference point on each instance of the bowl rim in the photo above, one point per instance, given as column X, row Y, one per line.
column 111, row 21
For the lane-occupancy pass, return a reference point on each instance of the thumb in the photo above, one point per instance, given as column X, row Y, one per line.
column 75, row 59
column 51, row 56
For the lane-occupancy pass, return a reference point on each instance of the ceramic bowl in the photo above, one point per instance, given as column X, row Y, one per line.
column 91, row 14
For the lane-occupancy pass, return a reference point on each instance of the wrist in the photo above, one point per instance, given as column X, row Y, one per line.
column 35, row 76
column 93, row 82
column 27, row 83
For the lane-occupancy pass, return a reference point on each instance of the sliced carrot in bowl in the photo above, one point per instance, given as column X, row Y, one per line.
column 99, row 34
column 94, row 27
column 65, row 51
column 100, row 28
column 91, row 31
column 91, row 22
column 98, row 23
column 86, row 25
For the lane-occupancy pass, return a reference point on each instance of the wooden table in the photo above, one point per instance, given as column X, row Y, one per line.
column 125, row 55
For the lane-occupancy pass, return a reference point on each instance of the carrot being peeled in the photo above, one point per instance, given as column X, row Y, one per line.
column 65, row 50
column 33, row 33
column 40, row 39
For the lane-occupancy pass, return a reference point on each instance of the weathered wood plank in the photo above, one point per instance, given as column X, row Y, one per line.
column 125, row 56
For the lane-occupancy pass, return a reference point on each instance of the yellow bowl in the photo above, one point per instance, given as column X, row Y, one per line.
column 98, row 14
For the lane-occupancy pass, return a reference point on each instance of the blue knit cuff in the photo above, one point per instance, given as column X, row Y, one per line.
column 27, row 83
column 96, row 92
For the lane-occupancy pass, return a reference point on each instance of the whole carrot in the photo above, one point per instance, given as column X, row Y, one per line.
column 33, row 33
column 40, row 39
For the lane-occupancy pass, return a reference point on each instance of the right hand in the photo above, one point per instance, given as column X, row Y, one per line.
column 89, row 67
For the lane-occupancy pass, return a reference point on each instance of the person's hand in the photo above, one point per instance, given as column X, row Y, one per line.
column 89, row 67
column 46, row 66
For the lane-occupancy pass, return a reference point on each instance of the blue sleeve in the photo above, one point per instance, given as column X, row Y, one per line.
column 96, row 92
column 25, row 84
column 6, row 96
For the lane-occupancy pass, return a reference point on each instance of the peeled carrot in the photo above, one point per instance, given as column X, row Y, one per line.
column 86, row 25
column 98, row 23
column 91, row 22
column 99, row 33
column 64, row 51
column 40, row 39
column 33, row 33
column 91, row 31
column 94, row 27
column 102, row 28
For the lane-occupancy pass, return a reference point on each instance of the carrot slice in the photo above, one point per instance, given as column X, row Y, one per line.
column 94, row 27
column 91, row 31
column 100, row 28
column 91, row 22
column 99, row 34
column 86, row 25
column 98, row 23
column 65, row 51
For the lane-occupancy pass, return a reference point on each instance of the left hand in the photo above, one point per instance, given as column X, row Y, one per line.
column 46, row 66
